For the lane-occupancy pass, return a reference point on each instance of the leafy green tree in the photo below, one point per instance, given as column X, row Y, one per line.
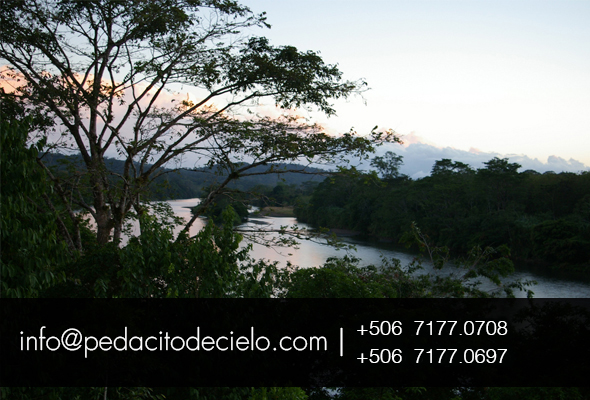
column 447, row 166
column 32, row 248
column 448, row 203
column 155, row 265
column 101, row 71
column 499, row 179
column 500, row 166
column 561, row 242
column 342, row 278
column 388, row 165
column 215, row 210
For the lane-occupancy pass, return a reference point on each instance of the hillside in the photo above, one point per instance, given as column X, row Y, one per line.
column 188, row 183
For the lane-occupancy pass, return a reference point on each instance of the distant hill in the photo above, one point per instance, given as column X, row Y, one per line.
column 185, row 183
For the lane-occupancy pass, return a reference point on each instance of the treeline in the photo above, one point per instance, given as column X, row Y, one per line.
column 189, row 183
column 543, row 218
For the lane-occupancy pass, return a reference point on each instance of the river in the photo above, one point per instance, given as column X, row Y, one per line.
column 550, row 284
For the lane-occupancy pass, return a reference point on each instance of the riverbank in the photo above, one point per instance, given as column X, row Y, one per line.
column 551, row 284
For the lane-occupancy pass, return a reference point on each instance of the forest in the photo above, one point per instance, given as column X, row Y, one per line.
column 543, row 218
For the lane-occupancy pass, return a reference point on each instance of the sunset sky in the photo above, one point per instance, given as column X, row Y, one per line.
column 505, row 77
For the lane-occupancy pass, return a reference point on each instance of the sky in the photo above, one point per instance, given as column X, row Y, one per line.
column 471, row 78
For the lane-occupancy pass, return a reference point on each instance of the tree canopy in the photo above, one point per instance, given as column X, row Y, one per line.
column 102, row 76
column 543, row 218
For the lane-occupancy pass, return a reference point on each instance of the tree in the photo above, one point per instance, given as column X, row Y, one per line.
column 497, row 166
column 29, row 240
column 447, row 167
column 103, row 71
column 388, row 165
column 499, row 180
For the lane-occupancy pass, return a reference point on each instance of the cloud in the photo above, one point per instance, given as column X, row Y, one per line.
column 559, row 163
column 420, row 157
column 412, row 138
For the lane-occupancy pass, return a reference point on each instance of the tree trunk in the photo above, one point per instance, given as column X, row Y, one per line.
column 104, row 220
column 104, row 225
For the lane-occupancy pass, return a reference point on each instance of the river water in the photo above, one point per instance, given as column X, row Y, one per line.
column 550, row 284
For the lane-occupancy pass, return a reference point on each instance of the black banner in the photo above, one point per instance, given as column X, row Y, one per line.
column 311, row 342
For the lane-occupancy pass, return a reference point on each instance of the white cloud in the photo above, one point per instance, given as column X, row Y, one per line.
column 420, row 157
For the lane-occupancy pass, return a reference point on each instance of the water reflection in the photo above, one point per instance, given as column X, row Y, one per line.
column 550, row 284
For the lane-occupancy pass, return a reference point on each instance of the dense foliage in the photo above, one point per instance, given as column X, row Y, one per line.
column 29, row 234
column 543, row 218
